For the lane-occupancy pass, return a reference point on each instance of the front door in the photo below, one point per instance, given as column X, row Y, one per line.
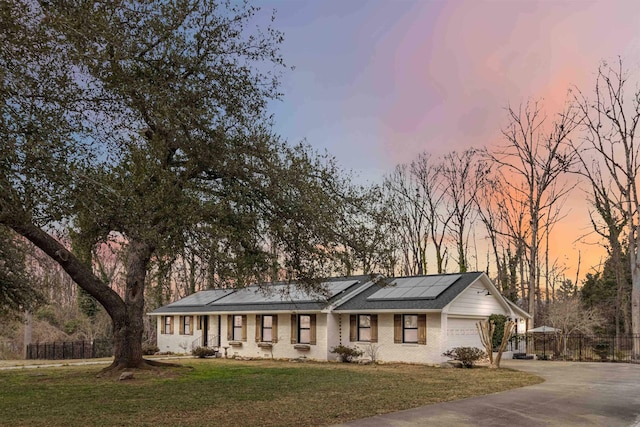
column 205, row 331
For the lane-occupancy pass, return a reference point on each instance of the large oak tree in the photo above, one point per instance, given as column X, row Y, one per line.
column 145, row 122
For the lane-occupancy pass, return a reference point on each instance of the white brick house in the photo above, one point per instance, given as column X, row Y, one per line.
column 405, row 319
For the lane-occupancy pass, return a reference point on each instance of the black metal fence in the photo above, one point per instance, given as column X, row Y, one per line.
column 70, row 350
column 581, row 348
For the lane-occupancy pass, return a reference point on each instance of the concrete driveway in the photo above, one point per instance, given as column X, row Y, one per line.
column 573, row 394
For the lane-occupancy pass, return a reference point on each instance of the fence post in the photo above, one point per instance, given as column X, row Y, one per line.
column 580, row 359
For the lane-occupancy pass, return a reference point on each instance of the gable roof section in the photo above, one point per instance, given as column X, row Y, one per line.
column 517, row 310
column 377, row 297
column 269, row 297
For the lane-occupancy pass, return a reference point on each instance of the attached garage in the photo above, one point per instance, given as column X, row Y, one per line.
column 462, row 332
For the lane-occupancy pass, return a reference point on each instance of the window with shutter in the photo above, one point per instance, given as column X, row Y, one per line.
column 312, row 329
column 168, row 325
column 374, row 328
column 422, row 329
column 258, row 328
column 274, row 329
column 353, row 328
column 294, row 329
column 397, row 328
column 244, row 328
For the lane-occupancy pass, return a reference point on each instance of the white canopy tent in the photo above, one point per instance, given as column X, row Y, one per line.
column 544, row 330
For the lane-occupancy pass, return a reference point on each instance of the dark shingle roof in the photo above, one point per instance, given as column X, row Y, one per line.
column 254, row 299
column 360, row 301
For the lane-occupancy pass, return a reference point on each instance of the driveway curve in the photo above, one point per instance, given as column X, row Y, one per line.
column 573, row 394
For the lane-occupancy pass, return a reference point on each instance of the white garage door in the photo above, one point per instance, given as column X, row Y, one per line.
column 462, row 332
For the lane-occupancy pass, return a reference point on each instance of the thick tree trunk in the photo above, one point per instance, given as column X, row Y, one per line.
column 127, row 314
column 635, row 308
column 128, row 326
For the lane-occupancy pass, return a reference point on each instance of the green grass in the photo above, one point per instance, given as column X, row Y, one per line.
column 236, row 393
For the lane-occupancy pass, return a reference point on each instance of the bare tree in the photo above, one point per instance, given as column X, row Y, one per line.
column 537, row 153
column 609, row 220
column 569, row 316
column 610, row 120
column 432, row 185
column 407, row 205
column 462, row 179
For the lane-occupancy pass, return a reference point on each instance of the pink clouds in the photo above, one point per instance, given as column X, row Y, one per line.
column 456, row 65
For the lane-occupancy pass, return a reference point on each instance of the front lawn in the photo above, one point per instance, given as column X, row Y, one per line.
column 237, row 393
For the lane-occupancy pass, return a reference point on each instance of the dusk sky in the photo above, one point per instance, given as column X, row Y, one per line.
column 377, row 82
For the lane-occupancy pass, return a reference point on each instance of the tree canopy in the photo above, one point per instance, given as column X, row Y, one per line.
column 145, row 122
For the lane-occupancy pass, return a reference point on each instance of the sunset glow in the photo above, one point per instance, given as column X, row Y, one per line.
column 378, row 82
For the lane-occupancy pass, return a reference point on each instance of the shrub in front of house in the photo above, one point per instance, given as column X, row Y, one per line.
column 203, row 352
column 149, row 349
column 467, row 355
column 347, row 354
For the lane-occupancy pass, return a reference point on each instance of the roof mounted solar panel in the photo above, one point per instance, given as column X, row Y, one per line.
column 423, row 287
column 278, row 293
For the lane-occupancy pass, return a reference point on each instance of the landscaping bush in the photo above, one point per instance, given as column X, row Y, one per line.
column 347, row 354
column 149, row 349
column 467, row 355
column 203, row 352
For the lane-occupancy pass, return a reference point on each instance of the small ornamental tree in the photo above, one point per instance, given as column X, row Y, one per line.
column 486, row 330
column 498, row 320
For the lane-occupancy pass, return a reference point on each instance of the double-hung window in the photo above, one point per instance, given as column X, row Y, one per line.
column 186, row 325
column 410, row 328
column 237, row 328
column 304, row 329
column 364, row 327
column 267, row 328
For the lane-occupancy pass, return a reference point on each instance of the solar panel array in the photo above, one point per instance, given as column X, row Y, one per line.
column 202, row 297
column 284, row 293
column 424, row 287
